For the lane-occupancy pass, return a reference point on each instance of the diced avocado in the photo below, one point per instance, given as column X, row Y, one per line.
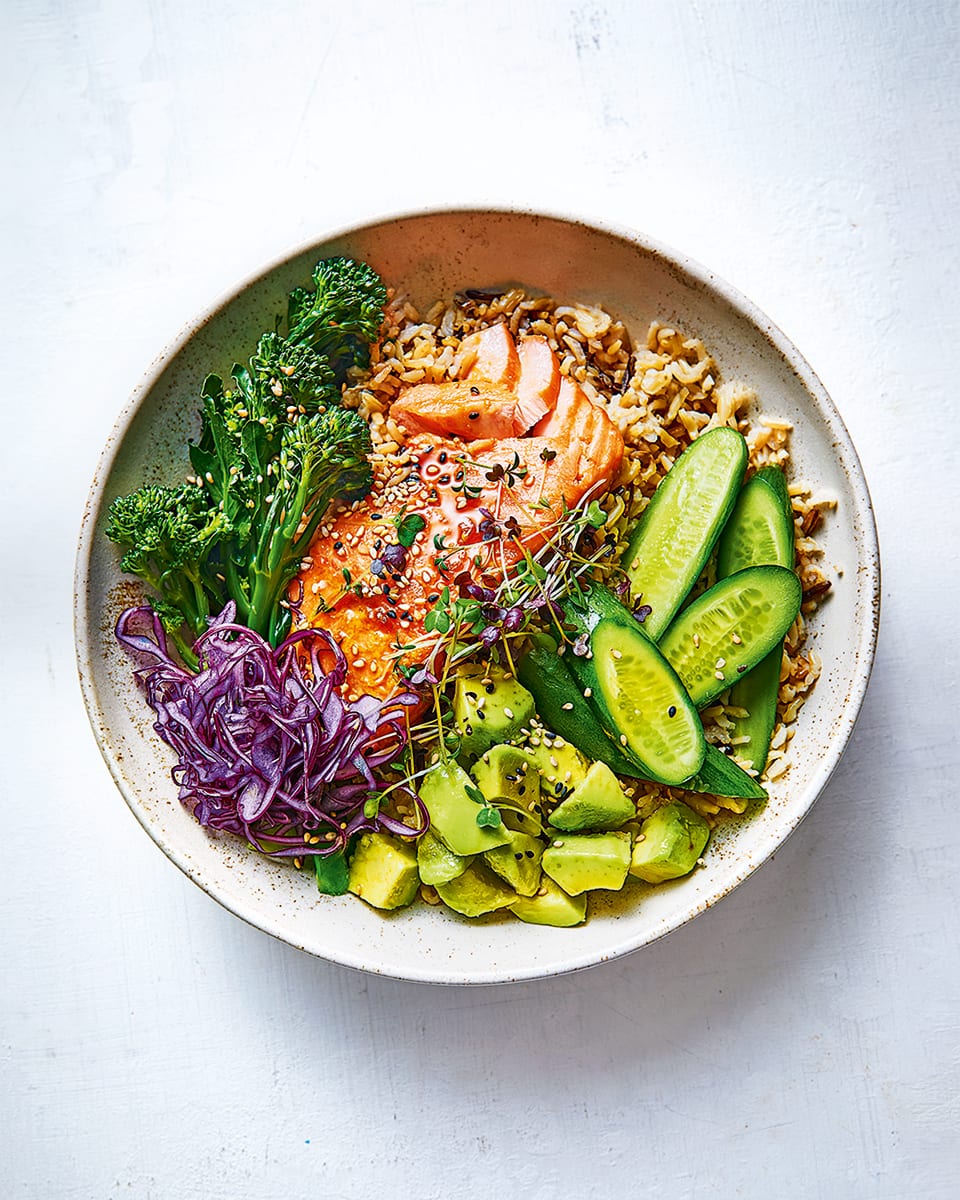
column 489, row 706
column 518, row 862
column 383, row 871
column 476, row 891
column 453, row 815
column 506, row 776
column 507, row 772
column 332, row 872
column 579, row 862
column 599, row 802
column 437, row 864
column 562, row 767
column 669, row 843
column 550, row 906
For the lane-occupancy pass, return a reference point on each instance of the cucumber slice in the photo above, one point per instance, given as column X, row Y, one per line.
column 639, row 694
column 563, row 709
column 760, row 530
column 680, row 526
column 730, row 628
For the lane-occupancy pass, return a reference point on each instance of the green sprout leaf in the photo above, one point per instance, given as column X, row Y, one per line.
column 489, row 816
column 408, row 527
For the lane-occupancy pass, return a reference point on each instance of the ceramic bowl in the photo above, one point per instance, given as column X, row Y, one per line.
column 430, row 255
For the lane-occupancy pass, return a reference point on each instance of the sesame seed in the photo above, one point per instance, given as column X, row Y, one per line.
column 508, row 712
column 616, row 654
column 623, row 739
column 719, row 675
column 588, row 692
column 721, row 663
column 696, row 639
column 736, row 639
column 566, row 707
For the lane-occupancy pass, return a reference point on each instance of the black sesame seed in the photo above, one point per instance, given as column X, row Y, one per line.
column 338, row 545
column 474, row 391
column 442, row 457
column 672, row 710
column 473, row 416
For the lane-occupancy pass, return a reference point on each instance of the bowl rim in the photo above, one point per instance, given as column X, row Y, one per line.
column 688, row 268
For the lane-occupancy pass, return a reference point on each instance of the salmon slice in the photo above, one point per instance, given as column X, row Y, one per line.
column 490, row 354
column 502, row 394
column 373, row 595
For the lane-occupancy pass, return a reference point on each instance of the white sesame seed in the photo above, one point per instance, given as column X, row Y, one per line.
column 566, row 707
column 616, row 654
column 508, row 712
column 623, row 739
column 719, row 675
column 736, row 639
column 588, row 692
column 721, row 663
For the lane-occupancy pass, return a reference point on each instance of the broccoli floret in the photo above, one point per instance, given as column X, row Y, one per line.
column 292, row 375
column 168, row 534
column 342, row 316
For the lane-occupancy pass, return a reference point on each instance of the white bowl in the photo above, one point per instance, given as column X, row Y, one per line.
column 430, row 255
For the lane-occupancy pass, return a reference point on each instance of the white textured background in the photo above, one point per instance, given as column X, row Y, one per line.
column 801, row 1040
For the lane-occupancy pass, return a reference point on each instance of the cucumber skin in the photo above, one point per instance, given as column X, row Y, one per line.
column 675, row 642
column 658, row 621
column 757, row 691
column 721, row 776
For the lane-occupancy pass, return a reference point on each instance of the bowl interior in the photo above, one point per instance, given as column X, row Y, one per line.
column 430, row 256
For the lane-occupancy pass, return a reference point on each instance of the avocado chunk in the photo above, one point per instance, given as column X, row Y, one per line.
column 599, row 802
column 489, row 706
column 580, row 862
column 517, row 862
column 506, row 776
column 506, row 772
column 562, row 767
column 436, row 863
column 453, row 815
column 475, row 892
column 669, row 843
column 383, row 871
column 550, row 906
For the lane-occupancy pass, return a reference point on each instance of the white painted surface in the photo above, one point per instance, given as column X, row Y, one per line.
column 801, row 1040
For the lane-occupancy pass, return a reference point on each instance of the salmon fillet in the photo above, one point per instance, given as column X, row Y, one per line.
column 373, row 595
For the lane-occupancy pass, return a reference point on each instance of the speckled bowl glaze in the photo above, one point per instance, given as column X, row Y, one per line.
column 429, row 255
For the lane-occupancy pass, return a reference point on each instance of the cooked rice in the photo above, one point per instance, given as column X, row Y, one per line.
column 662, row 395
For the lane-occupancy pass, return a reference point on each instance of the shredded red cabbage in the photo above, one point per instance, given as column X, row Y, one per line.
column 267, row 749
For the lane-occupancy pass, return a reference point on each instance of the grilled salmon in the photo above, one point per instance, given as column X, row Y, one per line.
column 373, row 593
